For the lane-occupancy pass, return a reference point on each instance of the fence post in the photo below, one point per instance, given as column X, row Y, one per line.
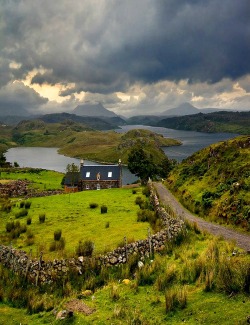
column 125, row 245
column 150, row 243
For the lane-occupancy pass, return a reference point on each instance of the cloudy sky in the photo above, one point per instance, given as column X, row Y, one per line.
column 133, row 56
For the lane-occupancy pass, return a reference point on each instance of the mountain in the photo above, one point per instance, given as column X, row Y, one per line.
column 183, row 109
column 89, row 121
column 96, row 110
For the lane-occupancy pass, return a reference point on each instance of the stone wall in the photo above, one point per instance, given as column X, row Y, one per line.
column 41, row 272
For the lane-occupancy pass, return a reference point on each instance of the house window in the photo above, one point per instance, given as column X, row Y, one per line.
column 109, row 174
column 87, row 174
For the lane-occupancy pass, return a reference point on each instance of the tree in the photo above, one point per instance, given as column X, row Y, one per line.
column 72, row 171
column 141, row 164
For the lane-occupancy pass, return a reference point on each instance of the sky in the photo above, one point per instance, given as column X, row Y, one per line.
column 133, row 56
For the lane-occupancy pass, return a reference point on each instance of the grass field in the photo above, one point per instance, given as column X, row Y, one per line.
column 71, row 213
column 218, row 300
column 41, row 179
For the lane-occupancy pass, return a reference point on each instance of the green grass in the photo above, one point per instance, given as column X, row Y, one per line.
column 118, row 303
column 214, row 182
column 72, row 214
column 41, row 179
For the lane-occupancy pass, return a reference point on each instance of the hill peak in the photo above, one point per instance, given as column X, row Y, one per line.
column 93, row 109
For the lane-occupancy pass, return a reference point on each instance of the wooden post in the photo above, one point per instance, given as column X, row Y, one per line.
column 150, row 243
column 125, row 245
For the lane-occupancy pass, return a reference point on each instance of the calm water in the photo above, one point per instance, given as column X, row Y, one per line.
column 191, row 141
column 48, row 158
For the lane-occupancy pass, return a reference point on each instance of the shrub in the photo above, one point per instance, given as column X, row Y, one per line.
column 57, row 234
column 138, row 200
column 22, row 213
column 146, row 191
column 104, row 209
column 30, row 234
column 9, row 226
column 107, row 224
column 175, row 298
column 23, row 229
column 85, row 248
column 27, row 205
column 29, row 221
column 93, row 205
column 134, row 191
column 22, row 204
column 42, row 217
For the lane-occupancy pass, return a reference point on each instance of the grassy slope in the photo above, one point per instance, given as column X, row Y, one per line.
column 214, row 182
column 232, row 122
column 41, row 179
column 71, row 213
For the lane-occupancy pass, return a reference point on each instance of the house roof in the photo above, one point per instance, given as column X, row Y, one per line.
column 104, row 172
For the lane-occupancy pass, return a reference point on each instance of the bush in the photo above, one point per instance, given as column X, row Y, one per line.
column 29, row 221
column 93, row 205
column 9, row 226
column 107, row 224
column 134, row 191
column 85, row 248
column 22, row 204
column 104, row 209
column 139, row 200
column 22, row 213
column 57, row 234
column 27, row 205
column 42, row 217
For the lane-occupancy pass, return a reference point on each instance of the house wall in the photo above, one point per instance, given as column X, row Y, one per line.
column 103, row 184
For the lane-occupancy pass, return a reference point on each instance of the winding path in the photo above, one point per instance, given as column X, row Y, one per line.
column 242, row 240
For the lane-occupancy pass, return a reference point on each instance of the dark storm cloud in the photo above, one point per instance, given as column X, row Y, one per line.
column 106, row 46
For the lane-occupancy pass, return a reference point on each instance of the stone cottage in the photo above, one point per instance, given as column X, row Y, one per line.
column 94, row 177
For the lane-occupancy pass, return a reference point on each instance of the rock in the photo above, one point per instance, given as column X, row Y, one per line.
column 126, row 281
column 87, row 293
column 63, row 314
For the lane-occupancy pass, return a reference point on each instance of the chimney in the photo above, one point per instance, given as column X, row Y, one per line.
column 81, row 163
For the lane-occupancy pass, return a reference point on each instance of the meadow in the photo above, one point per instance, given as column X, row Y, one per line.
column 41, row 179
column 78, row 216
column 195, row 281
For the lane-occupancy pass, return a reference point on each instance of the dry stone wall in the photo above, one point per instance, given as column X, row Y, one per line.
column 40, row 272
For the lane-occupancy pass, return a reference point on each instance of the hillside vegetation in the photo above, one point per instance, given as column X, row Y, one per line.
column 232, row 122
column 80, row 141
column 215, row 182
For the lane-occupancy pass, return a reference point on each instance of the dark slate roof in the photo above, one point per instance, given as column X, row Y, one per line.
column 71, row 179
column 107, row 172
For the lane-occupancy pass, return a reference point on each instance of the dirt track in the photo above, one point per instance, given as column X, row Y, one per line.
column 242, row 241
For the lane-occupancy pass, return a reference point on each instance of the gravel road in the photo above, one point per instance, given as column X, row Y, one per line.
column 242, row 240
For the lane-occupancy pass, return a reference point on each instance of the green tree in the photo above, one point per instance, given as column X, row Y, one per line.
column 2, row 159
column 141, row 164
column 72, row 171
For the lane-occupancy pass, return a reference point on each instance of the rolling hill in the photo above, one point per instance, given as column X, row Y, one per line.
column 215, row 182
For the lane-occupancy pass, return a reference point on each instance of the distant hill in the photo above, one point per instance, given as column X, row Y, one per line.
column 233, row 122
column 144, row 120
column 183, row 109
column 92, row 122
column 94, row 110
column 214, row 182
column 188, row 109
